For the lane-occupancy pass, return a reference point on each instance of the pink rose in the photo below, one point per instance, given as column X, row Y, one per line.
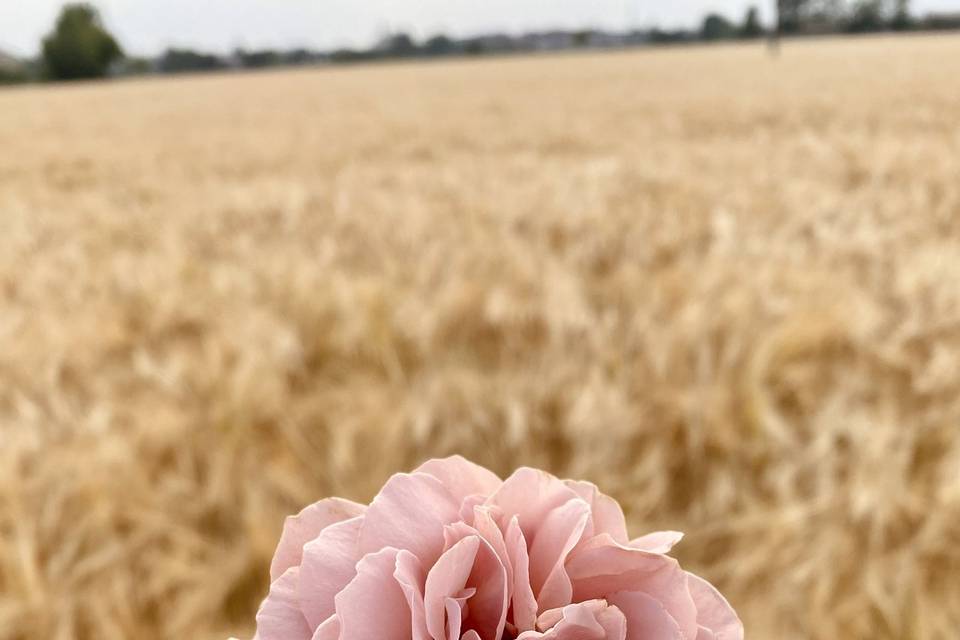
column 451, row 552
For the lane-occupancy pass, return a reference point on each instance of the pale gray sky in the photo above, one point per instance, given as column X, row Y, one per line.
column 147, row 26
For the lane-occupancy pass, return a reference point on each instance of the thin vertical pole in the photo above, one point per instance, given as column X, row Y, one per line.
column 773, row 42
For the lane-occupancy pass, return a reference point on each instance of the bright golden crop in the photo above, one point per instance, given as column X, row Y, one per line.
column 723, row 286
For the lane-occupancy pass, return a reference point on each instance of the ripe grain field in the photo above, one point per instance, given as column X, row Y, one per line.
column 724, row 287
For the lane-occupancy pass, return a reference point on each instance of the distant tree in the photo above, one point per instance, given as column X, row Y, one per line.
column 582, row 38
column 257, row 59
column 751, row 27
column 352, row 55
column 13, row 76
column 717, row 27
column 867, row 15
column 810, row 16
column 902, row 20
column 941, row 21
column 789, row 15
column 474, row 47
column 135, row 67
column 398, row 45
column 184, row 60
column 302, row 56
column 439, row 45
column 79, row 46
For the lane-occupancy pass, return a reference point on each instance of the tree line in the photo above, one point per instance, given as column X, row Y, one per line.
column 80, row 46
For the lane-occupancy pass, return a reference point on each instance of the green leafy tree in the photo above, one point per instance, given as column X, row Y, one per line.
column 582, row 38
column 79, row 46
column 397, row 45
column 13, row 76
column 751, row 27
column 795, row 16
column 439, row 45
column 186, row 60
column 790, row 15
column 258, row 59
column 868, row 15
column 902, row 20
column 716, row 27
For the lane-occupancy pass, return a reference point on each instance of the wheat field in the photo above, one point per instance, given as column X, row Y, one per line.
column 723, row 286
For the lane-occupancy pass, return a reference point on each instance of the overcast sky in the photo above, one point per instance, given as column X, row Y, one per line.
column 148, row 26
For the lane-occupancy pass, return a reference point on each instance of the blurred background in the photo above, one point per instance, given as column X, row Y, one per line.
column 706, row 255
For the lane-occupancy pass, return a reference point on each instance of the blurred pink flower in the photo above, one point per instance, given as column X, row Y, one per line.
column 451, row 552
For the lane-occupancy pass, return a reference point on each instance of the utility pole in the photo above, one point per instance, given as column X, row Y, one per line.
column 773, row 42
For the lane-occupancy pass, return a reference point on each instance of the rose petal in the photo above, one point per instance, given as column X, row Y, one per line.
column 601, row 566
column 657, row 542
column 489, row 604
column 606, row 514
column 486, row 526
column 572, row 612
column 468, row 505
column 329, row 564
column 705, row 634
column 411, row 577
column 614, row 623
column 300, row 529
column 329, row 630
column 448, row 577
column 559, row 534
column 461, row 477
column 409, row 513
column 647, row 619
column 373, row 606
column 713, row 611
column 530, row 495
column 454, row 610
column 591, row 620
column 279, row 617
column 524, row 603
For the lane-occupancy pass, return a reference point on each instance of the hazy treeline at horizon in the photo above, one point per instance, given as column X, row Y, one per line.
column 80, row 46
